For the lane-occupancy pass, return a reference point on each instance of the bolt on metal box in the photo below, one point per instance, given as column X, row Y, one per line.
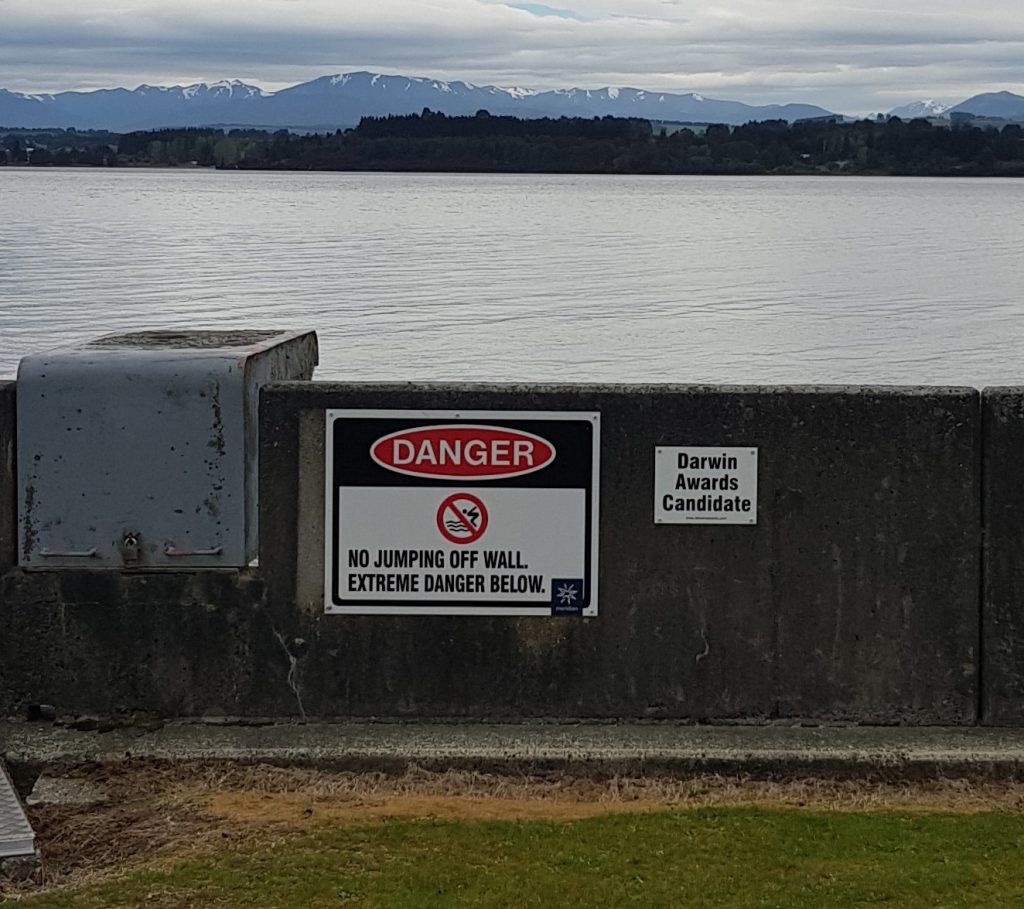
column 140, row 450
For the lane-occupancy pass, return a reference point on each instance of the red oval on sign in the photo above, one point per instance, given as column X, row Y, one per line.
column 460, row 450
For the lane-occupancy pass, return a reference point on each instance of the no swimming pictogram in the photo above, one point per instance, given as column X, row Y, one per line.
column 462, row 518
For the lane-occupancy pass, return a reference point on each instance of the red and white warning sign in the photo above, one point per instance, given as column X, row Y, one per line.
column 461, row 513
column 462, row 518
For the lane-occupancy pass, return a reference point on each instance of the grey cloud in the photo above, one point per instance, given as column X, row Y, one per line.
column 817, row 52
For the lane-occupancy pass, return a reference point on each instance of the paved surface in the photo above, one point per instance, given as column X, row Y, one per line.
column 586, row 749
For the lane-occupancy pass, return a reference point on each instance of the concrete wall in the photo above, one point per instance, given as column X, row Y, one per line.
column 8, row 507
column 854, row 598
column 107, row 644
column 1003, row 594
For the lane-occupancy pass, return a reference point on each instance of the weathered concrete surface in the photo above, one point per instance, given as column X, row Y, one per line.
column 8, row 480
column 599, row 750
column 1003, row 594
column 854, row 598
column 109, row 644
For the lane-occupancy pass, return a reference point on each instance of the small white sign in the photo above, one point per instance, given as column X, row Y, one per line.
column 703, row 485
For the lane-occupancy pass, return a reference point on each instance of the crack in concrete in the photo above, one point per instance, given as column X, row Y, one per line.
column 707, row 648
column 293, row 667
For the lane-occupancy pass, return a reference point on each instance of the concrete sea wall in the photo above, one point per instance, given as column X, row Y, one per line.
column 854, row 598
column 859, row 595
column 1002, row 598
column 8, row 508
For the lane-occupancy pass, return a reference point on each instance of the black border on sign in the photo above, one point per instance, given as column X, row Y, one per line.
column 510, row 419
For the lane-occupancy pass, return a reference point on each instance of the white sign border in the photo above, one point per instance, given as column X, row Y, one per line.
column 490, row 416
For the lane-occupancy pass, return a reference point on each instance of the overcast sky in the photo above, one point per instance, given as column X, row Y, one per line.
column 854, row 57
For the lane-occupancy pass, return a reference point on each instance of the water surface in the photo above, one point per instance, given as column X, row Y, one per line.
column 533, row 278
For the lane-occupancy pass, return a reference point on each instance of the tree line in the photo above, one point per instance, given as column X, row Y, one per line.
column 607, row 145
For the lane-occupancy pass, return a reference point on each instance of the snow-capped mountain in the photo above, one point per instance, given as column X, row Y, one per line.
column 330, row 102
column 122, row 110
column 17, row 109
column 993, row 104
column 344, row 98
column 634, row 102
column 927, row 108
column 340, row 100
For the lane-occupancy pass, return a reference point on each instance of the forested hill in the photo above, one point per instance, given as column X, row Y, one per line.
column 484, row 143
column 429, row 125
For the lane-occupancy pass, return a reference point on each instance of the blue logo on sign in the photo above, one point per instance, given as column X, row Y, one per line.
column 567, row 596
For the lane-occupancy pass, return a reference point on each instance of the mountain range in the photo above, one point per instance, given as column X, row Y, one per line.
column 339, row 101
column 1003, row 105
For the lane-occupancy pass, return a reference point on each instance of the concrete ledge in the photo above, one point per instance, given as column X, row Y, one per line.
column 586, row 750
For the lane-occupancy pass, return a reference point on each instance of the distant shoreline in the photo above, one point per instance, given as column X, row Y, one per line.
column 435, row 143
column 193, row 168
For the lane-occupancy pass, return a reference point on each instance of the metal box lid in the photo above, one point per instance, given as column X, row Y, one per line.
column 139, row 450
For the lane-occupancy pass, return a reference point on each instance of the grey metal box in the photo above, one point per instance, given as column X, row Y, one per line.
column 140, row 450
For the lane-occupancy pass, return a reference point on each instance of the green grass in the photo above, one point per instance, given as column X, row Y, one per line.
column 699, row 858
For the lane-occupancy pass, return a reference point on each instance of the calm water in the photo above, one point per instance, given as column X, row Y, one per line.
column 415, row 277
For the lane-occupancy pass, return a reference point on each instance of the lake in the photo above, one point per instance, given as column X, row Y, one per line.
column 533, row 278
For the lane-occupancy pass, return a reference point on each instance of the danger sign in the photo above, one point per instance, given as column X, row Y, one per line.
column 462, row 512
